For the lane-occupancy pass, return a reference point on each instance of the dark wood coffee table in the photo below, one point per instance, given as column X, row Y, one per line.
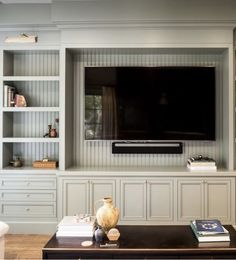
column 144, row 242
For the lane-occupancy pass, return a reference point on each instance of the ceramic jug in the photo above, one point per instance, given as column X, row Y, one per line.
column 107, row 215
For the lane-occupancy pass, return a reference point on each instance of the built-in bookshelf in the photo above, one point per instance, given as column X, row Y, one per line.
column 33, row 74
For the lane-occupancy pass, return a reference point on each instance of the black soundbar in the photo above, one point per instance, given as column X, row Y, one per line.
column 147, row 147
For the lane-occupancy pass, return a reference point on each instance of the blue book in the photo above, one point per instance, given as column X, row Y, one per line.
column 205, row 227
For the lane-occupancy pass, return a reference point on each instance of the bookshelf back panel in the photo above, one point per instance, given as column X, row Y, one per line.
column 28, row 124
column 31, row 63
column 29, row 152
column 98, row 153
column 37, row 93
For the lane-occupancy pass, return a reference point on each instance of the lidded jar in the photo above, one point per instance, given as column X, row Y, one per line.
column 107, row 215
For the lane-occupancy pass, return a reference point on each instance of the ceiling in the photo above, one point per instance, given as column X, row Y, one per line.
column 25, row 1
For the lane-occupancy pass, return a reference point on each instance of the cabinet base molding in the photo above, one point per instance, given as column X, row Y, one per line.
column 32, row 227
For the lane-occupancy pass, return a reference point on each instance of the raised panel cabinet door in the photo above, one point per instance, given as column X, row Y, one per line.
column 133, row 200
column 100, row 189
column 75, row 197
column 160, row 200
column 190, row 200
column 218, row 200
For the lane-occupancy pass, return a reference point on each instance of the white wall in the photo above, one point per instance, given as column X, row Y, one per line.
column 87, row 13
column 143, row 11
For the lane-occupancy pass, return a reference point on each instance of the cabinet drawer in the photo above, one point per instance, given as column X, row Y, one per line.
column 28, row 209
column 28, row 195
column 28, row 183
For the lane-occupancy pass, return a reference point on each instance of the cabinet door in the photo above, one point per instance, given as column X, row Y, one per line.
column 218, row 200
column 133, row 200
column 160, row 200
column 100, row 189
column 75, row 197
column 190, row 200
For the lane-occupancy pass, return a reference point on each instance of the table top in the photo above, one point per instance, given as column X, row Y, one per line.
column 148, row 238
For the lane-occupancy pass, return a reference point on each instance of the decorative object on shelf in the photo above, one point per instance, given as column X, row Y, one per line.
column 22, row 38
column 113, row 234
column 99, row 234
column 50, row 164
column 107, row 215
column 199, row 163
column 52, row 132
column 86, row 243
column 57, row 125
column 16, row 162
column 20, row 101
column 49, row 129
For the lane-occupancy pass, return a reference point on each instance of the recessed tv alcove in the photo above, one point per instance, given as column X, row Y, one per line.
column 96, row 151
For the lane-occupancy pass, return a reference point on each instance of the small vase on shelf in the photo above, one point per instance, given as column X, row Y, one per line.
column 99, row 234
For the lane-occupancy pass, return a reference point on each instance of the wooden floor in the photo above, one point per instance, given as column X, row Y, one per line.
column 24, row 246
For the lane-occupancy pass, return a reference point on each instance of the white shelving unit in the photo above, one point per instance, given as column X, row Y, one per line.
column 35, row 75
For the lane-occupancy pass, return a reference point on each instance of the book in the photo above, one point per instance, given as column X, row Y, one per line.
column 11, row 91
column 202, row 168
column 5, row 102
column 209, row 227
column 210, row 236
column 74, row 234
column 201, row 163
column 75, row 227
column 9, row 94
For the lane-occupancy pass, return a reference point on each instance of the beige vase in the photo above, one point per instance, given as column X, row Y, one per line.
column 107, row 215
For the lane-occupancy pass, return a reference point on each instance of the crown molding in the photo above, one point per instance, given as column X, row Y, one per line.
column 146, row 24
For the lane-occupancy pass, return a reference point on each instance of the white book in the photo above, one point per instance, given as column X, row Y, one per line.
column 202, row 168
column 214, row 239
column 74, row 234
column 75, row 228
column 5, row 101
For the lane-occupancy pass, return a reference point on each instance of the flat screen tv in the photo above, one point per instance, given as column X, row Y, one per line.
column 150, row 103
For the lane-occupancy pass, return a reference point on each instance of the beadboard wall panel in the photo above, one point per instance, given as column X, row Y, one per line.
column 28, row 124
column 38, row 93
column 29, row 152
column 32, row 63
column 35, row 74
column 98, row 153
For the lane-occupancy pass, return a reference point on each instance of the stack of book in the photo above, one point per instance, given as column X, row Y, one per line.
column 209, row 231
column 71, row 226
column 9, row 96
column 201, row 163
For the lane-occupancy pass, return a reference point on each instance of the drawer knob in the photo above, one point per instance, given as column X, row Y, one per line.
column 28, row 183
column 28, row 195
column 27, row 209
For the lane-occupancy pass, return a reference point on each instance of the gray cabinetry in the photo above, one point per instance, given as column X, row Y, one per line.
column 200, row 198
column 147, row 200
column 81, row 196
column 28, row 199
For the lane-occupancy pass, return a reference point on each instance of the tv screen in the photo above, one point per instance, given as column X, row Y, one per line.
column 150, row 103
